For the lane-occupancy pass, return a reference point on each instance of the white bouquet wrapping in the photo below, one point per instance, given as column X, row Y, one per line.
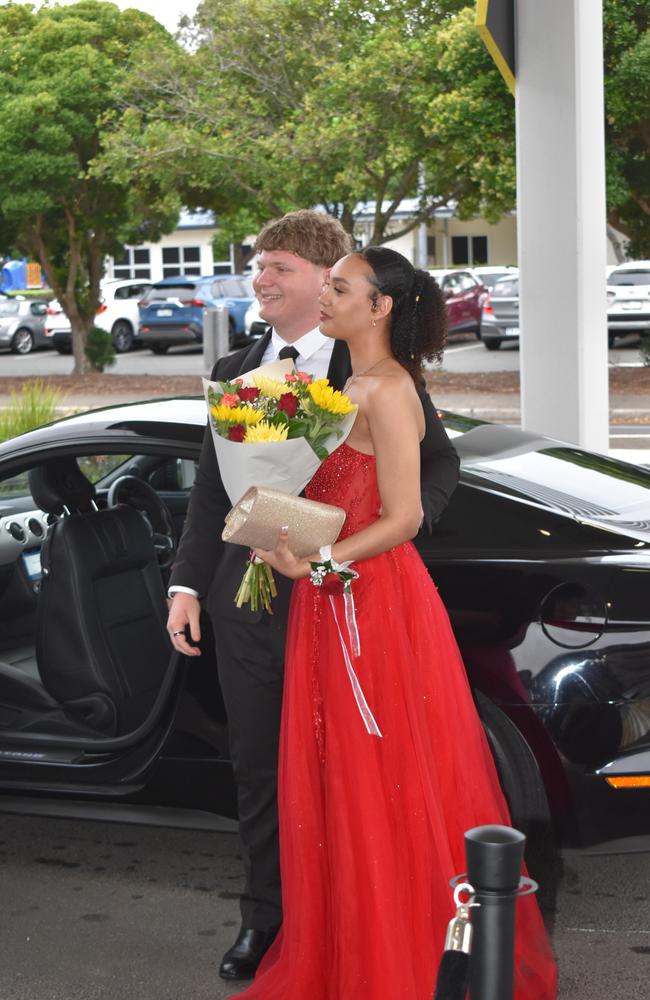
column 271, row 429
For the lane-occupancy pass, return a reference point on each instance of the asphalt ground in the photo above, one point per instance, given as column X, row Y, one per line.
column 98, row 911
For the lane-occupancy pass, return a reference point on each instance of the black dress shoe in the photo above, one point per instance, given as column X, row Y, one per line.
column 241, row 961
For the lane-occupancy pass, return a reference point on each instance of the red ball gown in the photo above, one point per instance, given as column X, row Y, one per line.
column 371, row 826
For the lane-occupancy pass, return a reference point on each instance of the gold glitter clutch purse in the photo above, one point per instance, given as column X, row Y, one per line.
column 257, row 517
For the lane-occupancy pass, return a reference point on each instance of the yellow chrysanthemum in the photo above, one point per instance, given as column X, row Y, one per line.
column 264, row 432
column 237, row 414
column 271, row 387
column 328, row 399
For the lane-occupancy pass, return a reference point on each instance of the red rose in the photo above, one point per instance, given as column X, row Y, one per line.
column 247, row 395
column 289, row 403
column 237, row 432
column 332, row 584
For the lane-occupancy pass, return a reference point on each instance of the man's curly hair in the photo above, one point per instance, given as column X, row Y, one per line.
column 312, row 235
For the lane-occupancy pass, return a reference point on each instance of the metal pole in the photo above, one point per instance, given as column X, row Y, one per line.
column 494, row 859
column 216, row 336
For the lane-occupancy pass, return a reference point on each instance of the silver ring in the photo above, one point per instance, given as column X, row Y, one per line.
column 179, row 633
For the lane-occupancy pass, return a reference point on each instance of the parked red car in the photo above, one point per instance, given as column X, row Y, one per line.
column 464, row 296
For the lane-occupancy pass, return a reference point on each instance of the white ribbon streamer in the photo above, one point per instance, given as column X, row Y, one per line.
column 369, row 720
column 351, row 622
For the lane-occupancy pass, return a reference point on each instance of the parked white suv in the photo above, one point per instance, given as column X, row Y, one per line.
column 628, row 299
column 117, row 314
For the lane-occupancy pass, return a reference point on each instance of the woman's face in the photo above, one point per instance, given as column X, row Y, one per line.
column 347, row 299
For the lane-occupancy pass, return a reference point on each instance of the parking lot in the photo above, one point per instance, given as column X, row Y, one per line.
column 99, row 911
column 464, row 353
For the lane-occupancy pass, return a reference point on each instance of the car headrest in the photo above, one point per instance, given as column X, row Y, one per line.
column 59, row 484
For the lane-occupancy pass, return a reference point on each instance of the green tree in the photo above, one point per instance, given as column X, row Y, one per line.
column 278, row 104
column 59, row 70
column 627, row 94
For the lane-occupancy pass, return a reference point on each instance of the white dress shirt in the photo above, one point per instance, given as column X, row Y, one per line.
column 314, row 354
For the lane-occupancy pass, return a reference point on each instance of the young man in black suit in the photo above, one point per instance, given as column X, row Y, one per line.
column 294, row 256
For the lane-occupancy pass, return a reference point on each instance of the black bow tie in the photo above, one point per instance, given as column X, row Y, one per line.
column 287, row 353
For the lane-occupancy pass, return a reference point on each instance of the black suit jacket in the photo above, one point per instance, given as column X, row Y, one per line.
column 214, row 568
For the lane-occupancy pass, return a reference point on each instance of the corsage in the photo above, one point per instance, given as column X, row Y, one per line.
column 327, row 565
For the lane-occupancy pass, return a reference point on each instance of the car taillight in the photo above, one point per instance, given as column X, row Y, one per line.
column 196, row 302
column 53, row 312
column 487, row 305
column 101, row 308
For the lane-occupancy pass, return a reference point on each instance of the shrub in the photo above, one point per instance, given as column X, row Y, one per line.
column 36, row 404
column 644, row 349
column 99, row 349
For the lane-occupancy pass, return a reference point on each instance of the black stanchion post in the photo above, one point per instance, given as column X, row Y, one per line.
column 494, row 859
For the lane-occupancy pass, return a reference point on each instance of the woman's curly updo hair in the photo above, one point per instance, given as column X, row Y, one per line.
column 419, row 317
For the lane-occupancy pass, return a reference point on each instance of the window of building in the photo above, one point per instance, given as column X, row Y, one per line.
column 133, row 262
column 469, row 250
column 181, row 260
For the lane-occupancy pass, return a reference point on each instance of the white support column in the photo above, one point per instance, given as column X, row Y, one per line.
column 562, row 220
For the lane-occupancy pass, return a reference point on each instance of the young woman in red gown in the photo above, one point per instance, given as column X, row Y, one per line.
column 383, row 759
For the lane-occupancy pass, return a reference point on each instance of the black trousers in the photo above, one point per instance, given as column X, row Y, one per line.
column 251, row 671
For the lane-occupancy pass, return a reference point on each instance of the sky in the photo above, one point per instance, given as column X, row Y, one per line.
column 165, row 11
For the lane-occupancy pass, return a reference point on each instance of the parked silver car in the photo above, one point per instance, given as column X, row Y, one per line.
column 500, row 316
column 22, row 324
column 628, row 299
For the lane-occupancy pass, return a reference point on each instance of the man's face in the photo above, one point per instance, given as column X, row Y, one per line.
column 287, row 288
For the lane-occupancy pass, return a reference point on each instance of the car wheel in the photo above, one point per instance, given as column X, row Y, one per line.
column 63, row 349
column 22, row 341
column 492, row 344
column 232, row 333
column 525, row 794
column 519, row 773
column 122, row 334
column 158, row 348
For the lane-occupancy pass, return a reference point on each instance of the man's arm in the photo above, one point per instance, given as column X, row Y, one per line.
column 200, row 547
column 439, row 464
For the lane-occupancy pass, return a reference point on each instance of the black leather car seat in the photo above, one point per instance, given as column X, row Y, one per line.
column 101, row 645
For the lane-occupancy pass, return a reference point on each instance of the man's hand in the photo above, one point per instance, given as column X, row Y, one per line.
column 184, row 609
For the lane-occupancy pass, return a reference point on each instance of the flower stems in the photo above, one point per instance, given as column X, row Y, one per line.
column 257, row 586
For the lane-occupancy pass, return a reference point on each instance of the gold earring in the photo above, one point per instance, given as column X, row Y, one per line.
column 374, row 322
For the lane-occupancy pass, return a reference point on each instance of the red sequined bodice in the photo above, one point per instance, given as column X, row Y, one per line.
column 348, row 479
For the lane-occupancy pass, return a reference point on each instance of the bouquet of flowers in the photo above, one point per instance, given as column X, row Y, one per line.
column 273, row 427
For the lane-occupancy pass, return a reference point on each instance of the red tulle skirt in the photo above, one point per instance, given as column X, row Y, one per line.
column 371, row 827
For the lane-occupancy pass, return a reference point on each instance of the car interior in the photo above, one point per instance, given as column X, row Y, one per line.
column 86, row 546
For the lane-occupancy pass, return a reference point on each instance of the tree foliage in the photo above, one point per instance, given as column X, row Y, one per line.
column 627, row 92
column 59, row 69
column 278, row 104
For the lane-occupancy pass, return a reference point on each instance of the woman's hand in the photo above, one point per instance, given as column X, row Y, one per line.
column 282, row 559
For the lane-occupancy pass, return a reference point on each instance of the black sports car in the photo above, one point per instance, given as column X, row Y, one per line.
column 542, row 560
